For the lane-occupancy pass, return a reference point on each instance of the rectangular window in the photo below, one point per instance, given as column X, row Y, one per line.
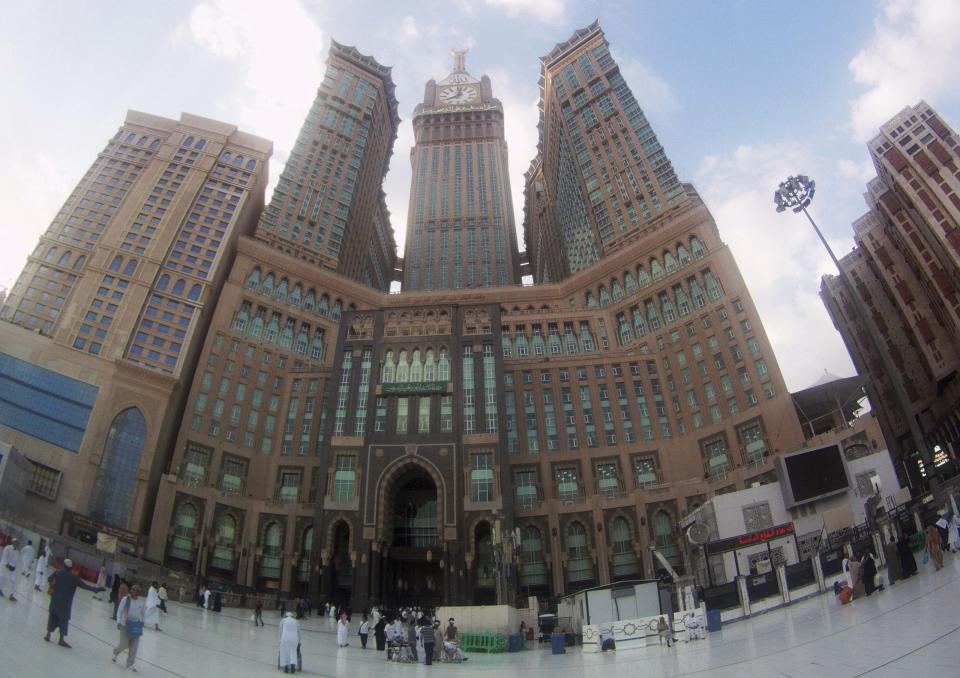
column 481, row 476
column 345, row 478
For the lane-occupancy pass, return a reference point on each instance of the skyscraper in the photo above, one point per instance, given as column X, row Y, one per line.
column 460, row 227
column 601, row 178
column 328, row 207
column 905, row 268
column 120, row 289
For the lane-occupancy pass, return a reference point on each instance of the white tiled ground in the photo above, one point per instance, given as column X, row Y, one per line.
column 912, row 629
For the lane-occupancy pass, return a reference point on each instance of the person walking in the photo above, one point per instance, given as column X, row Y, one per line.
column 289, row 642
column 868, row 571
column 412, row 636
column 663, row 629
column 428, row 639
column 9, row 560
column 934, row 546
column 64, row 584
column 40, row 575
column 364, row 632
column 380, row 634
column 258, row 612
column 130, row 624
column 908, row 563
column 343, row 630
column 101, row 582
column 162, row 594
column 26, row 559
column 151, row 613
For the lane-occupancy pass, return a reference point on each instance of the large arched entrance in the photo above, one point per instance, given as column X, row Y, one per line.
column 412, row 572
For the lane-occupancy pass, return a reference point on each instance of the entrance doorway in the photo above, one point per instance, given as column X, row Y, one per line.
column 412, row 570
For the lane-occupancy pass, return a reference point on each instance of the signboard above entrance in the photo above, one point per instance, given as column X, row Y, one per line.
column 749, row 539
column 414, row 388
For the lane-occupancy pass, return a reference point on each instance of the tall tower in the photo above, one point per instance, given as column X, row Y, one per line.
column 600, row 175
column 905, row 269
column 328, row 208
column 460, row 227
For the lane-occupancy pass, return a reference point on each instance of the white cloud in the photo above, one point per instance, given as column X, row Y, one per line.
column 279, row 48
column 408, row 27
column 550, row 11
column 913, row 55
column 779, row 255
column 654, row 94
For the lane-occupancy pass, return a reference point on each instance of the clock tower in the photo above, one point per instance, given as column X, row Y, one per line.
column 460, row 225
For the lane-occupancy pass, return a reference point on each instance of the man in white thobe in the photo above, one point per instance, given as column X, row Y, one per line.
column 289, row 642
column 26, row 559
column 9, row 560
column 343, row 630
column 41, row 571
column 151, row 613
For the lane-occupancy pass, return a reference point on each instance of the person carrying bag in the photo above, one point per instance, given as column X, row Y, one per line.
column 130, row 613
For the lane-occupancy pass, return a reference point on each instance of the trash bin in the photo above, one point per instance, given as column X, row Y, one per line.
column 558, row 643
column 713, row 620
column 513, row 642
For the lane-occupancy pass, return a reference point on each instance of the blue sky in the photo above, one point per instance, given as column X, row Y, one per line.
column 742, row 93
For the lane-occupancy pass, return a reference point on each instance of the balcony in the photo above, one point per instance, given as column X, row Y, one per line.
column 610, row 489
column 570, row 496
column 528, row 496
column 231, row 485
column 285, row 494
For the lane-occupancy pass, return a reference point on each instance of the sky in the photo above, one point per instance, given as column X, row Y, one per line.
column 742, row 94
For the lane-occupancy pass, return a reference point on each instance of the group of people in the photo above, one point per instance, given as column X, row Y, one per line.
column 14, row 559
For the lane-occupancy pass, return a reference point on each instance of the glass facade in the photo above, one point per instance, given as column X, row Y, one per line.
column 44, row 404
column 117, row 473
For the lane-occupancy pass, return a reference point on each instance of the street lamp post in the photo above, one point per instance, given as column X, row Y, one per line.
column 795, row 194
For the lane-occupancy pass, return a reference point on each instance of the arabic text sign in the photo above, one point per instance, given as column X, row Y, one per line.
column 414, row 388
column 751, row 538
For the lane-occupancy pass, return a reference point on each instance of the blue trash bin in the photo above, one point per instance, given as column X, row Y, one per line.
column 713, row 620
column 513, row 642
column 558, row 643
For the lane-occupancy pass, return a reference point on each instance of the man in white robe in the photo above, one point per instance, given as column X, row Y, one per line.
column 151, row 613
column 343, row 630
column 9, row 560
column 289, row 642
column 41, row 571
column 26, row 559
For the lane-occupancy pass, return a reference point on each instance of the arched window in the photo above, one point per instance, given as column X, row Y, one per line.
column 267, row 287
column 303, row 567
column 155, row 143
column 656, row 270
column 534, row 569
column 226, row 156
column 130, row 138
column 416, row 367
column 624, row 557
column 200, row 144
column 184, row 530
column 310, row 301
column 643, row 278
column 296, row 295
column 683, row 256
column 281, row 292
column 116, row 263
column 64, row 259
column 118, row 470
column 81, row 260
column 163, row 283
column 270, row 563
column 669, row 262
column 303, row 338
column 178, row 287
column 224, row 542
column 696, row 247
column 251, row 164
column 323, row 308
column 429, row 367
column 403, row 369
column 130, row 267
column 242, row 316
column 51, row 254
column 591, row 301
column 617, row 290
column 316, row 346
column 194, row 292
column 335, row 311
column 388, row 371
column 604, row 296
column 665, row 538
column 141, row 141
column 579, row 565
column 238, row 161
column 253, row 278
column 629, row 283
column 188, row 141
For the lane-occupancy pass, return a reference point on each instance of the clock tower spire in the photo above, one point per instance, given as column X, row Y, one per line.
column 460, row 226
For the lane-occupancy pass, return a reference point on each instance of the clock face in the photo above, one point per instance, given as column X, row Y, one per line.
column 458, row 95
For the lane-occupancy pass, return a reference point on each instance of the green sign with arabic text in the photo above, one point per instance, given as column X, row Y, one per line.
column 414, row 388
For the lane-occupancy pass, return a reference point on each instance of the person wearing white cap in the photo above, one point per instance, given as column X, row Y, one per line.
column 9, row 560
column 64, row 583
column 289, row 642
